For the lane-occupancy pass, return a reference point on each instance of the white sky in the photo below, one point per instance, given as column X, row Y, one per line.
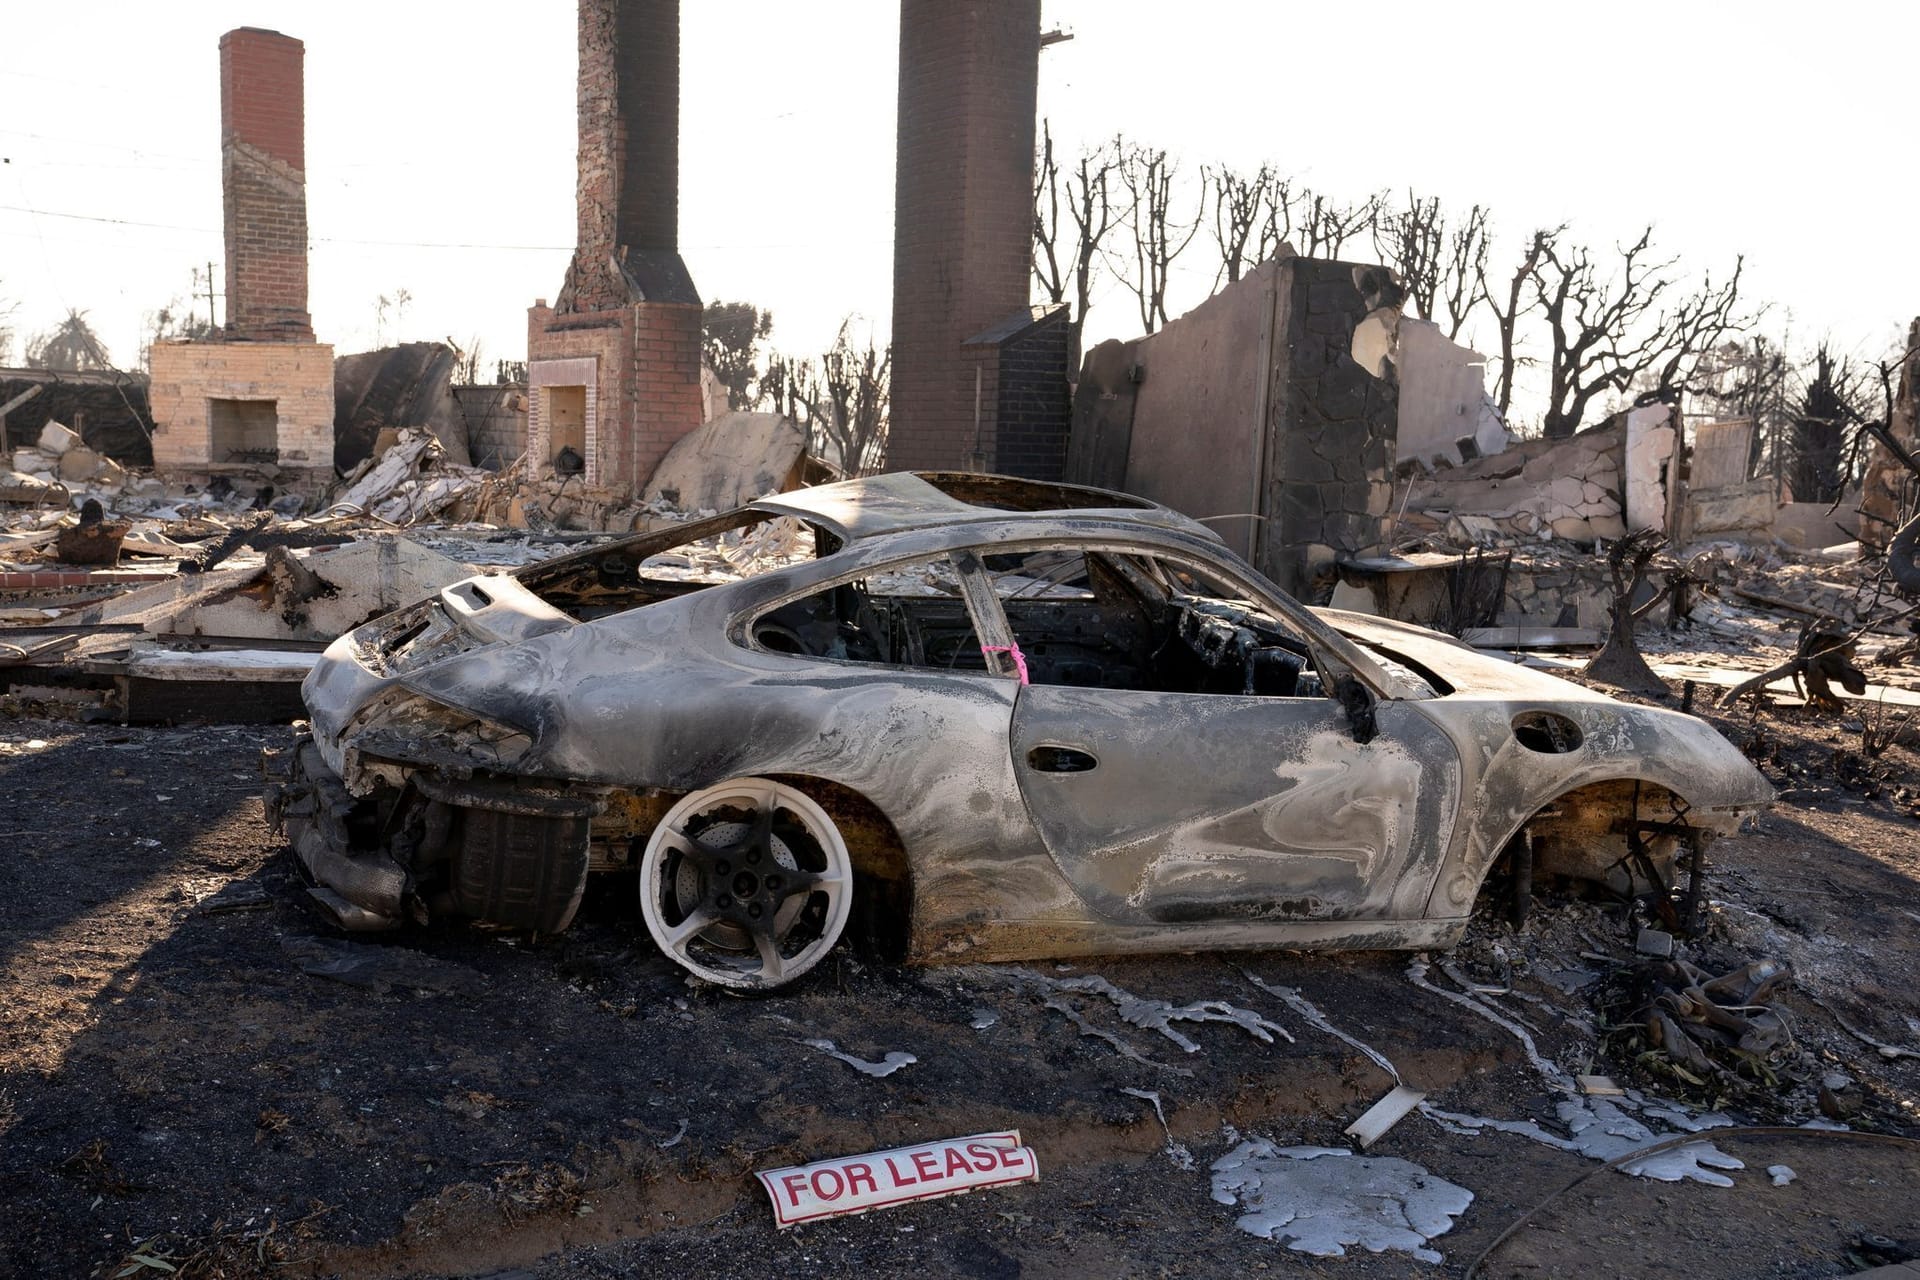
column 440, row 140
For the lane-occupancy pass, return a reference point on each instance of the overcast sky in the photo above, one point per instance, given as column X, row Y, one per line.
column 440, row 144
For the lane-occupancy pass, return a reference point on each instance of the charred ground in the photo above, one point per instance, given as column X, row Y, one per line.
column 175, row 1085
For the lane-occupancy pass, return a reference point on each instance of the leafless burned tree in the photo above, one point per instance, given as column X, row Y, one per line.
column 1328, row 224
column 1159, row 234
column 1619, row 662
column 1065, row 251
column 840, row 400
column 1442, row 266
column 1611, row 332
column 857, row 383
column 1251, row 218
column 1518, row 302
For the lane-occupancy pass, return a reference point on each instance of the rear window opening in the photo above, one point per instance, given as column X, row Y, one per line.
column 670, row 563
column 999, row 493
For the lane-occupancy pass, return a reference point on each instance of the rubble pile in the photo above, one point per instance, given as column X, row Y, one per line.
column 134, row 596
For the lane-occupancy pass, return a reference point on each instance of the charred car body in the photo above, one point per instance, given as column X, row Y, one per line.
column 973, row 717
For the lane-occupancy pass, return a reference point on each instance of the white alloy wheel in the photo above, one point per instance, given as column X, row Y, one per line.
column 746, row 884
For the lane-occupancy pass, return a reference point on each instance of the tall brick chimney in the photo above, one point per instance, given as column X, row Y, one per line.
column 264, row 175
column 613, row 366
column 963, row 220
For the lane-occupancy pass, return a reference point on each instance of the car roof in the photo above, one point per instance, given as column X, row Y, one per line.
column 901, row 500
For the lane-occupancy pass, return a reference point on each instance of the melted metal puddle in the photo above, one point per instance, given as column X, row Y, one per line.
column 885, row 1067
column 1319, row 1200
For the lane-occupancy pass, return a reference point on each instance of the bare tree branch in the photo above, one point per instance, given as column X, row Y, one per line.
column 1241, row 207
column 1507, row 322
column 1328, row 225
column 1159, row 237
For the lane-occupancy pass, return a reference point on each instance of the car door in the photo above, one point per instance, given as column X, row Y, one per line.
column 1172, row 806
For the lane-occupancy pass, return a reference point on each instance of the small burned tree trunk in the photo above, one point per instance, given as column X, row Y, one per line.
column 1619, row 662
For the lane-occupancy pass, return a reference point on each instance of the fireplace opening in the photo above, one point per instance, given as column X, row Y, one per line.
column 243, row 431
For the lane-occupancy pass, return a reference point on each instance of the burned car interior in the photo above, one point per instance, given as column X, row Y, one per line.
column 1093, row 619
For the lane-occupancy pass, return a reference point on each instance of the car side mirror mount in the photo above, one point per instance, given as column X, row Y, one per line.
column 1357, row 701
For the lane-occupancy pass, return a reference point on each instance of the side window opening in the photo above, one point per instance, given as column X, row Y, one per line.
column 1103, row 620
column 910, row 615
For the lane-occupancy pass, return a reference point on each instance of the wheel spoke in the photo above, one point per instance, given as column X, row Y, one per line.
column 772, row 966
column 762, row 837
column 809, row 881
column 678, row 935
column 704, row 854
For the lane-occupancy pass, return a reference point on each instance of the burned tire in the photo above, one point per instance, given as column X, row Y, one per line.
column 520, row 870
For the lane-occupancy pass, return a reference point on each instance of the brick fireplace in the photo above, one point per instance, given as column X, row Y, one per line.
column 259, row 397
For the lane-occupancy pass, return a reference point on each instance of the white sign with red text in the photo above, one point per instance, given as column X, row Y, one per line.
column 855, row 1184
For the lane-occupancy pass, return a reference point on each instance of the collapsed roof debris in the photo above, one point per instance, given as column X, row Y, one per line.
column 391, row 390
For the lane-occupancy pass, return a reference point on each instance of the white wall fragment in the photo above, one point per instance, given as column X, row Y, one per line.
column 1650, row 445
column 1443, row 396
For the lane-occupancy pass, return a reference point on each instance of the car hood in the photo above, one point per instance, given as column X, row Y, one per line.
column 1466, row 669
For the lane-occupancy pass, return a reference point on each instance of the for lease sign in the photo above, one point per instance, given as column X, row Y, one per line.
column 855, row 1184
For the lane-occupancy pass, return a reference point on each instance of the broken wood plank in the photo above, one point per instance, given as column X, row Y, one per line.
column 1383, row 1115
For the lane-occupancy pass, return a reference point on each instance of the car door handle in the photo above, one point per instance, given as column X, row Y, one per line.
column 1055, row 759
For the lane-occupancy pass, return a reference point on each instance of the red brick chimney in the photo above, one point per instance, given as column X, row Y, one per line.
column 963, row 220
column 264, row 175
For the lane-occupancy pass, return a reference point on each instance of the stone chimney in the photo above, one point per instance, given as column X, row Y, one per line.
column 628, row 193
column 613, row 367
column 263, row 169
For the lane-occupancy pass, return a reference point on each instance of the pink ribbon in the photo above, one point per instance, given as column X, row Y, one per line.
column 1019, row 659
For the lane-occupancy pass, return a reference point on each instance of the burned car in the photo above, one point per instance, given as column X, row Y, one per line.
column 962, row 717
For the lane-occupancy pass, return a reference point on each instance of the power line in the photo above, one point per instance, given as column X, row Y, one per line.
column 214, row 231
column 383, row 244
column 118, row 222
column 105, row 146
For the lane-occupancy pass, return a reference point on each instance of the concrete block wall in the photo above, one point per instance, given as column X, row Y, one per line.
column 496, row 418
column 1033, row 409
column 963, row 216
column 263, row 162
column 296, row 376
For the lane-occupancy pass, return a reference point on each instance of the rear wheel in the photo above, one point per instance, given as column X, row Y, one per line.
column 746, row 884
column 520, row 870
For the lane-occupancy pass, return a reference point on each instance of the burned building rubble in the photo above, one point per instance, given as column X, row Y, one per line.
column 1351, row 452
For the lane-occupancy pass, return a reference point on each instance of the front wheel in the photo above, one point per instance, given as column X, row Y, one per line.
column 746, row 884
